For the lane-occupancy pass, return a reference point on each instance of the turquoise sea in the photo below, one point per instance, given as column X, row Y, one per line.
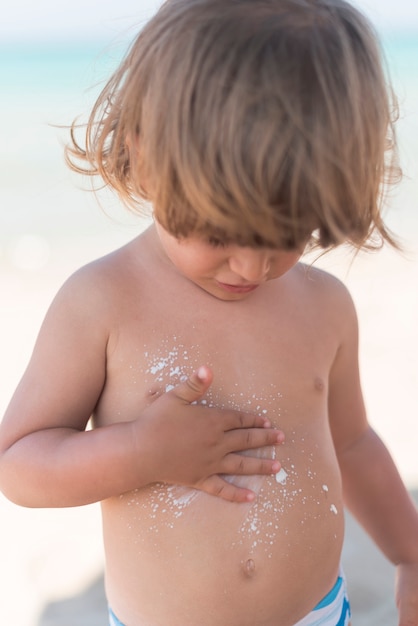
column 47, row 85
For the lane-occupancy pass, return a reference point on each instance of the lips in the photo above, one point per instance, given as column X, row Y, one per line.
column 238, row 288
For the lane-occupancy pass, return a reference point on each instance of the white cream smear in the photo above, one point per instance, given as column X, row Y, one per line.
column 261, row 525
column 281, row 476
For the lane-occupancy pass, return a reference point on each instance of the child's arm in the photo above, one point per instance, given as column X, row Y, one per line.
column 48, row 458
column 373, row 489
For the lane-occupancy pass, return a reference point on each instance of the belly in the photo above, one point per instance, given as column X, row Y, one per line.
column 181, row 557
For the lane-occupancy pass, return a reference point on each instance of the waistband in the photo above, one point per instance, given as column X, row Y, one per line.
column 332, row 610
column 113, row 620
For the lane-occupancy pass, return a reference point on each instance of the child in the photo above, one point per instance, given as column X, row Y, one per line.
column 254, row 128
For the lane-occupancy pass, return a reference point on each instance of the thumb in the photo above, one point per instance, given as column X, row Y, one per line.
column 195, row 386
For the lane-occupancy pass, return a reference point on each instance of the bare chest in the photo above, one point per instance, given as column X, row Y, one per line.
column 269, row 361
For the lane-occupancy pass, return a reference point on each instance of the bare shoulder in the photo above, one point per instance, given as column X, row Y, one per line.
column 100, row 283
column 67, row 371
column 327, row 294
column 324, row 284
column 107, row 271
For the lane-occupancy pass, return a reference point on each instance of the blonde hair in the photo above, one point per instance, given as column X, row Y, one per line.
column 257, row 121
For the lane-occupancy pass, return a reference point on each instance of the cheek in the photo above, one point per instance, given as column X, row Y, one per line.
column 198, row 266
column 189, row 262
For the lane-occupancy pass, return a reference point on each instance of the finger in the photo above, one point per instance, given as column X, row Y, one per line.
column 235, row 419
column 217, row 486
column 250, row 438
column 195, row 386
column 241, row 465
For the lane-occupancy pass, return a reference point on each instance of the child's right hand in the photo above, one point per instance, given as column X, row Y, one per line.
column 191, row 444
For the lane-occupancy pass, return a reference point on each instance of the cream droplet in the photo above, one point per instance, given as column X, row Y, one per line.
column 282, row 476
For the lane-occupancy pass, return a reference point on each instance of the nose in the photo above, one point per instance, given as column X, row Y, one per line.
column 251, row 265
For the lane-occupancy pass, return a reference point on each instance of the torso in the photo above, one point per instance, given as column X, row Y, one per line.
column 181, row 557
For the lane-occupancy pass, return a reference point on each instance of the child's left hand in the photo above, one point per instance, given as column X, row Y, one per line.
column 407, row 593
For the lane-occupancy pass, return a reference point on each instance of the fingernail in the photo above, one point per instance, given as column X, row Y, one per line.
column 275, row 467
column 201, row 373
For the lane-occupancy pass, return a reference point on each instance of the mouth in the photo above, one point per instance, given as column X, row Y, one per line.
column 238, row 288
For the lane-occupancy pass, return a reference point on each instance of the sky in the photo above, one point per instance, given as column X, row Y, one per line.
column 104, row 20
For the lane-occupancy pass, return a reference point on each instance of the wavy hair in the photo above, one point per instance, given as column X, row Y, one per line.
column 265, row 122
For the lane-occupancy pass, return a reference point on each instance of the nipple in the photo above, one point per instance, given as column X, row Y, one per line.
column 249, row 568
column 319, row 384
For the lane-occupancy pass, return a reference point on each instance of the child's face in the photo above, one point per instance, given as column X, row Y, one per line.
column 228, row 272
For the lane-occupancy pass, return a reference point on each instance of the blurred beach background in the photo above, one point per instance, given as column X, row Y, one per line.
column 54, row 58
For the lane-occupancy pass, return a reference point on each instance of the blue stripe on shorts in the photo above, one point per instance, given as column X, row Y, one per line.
column 113, row 620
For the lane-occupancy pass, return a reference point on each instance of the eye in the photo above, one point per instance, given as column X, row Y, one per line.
column 215, row 242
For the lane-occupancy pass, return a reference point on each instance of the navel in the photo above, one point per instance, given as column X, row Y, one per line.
column 249, row 568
